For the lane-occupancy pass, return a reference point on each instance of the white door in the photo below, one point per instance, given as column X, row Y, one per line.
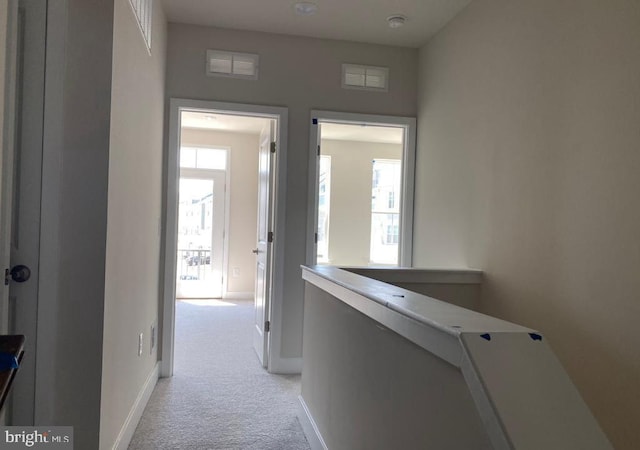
column 266, row 236
column 21, row 214
column 201, row 222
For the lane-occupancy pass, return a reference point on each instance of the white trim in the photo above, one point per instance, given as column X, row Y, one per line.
column 170, row 226
column 285, row 366
column 309, row 427
column 130, row 425
column 405, row 257
column 170, row 229
column 312, row 189
column 238, row 295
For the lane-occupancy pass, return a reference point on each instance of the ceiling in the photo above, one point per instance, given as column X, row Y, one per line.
column 351, row 20
column 253, row 125
column 362, row 133
column 223, row 122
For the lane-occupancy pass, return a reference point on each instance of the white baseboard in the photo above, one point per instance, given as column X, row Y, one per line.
column 309, row 427
column 285, row 366
column 238, row 295
column 129, row 427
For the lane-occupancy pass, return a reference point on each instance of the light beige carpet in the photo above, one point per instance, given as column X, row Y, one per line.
column 220, row 397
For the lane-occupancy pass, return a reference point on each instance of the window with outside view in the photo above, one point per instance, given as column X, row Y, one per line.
column 324, row 207
column 385, row 211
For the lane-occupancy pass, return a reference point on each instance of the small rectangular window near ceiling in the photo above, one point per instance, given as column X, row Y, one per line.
column 232, row 64
column 365, row 77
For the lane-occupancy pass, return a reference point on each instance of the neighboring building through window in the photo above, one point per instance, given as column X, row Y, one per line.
column 324, row 208
column 385, row 210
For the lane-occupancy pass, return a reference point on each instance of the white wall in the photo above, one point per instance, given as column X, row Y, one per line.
column 527, row 168
column 243, row 184
column 134, row 212
column 350, row 215
column 301, row 74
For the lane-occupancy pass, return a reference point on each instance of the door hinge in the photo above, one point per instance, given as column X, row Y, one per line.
column 7, row 277
column 316, row 238
column 267, row 326
column 318, row 150
column 270, row 236
column 273, row 147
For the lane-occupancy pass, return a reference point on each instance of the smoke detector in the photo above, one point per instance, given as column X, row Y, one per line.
column 396, row 21
column 305, row 8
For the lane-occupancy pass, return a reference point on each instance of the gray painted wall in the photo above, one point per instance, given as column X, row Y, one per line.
column 134, row 212
column 527, row 168
column 301, row 74
column 74, row 216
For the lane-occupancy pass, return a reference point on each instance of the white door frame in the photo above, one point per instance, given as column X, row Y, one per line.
column 176, row 106
column 408, row 175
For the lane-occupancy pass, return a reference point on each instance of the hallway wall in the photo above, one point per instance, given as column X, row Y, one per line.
column 134, row 213
column 527, row 168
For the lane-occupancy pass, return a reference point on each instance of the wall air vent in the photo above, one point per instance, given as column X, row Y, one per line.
column 232, row 64
column 365, row 77
column 143, row 10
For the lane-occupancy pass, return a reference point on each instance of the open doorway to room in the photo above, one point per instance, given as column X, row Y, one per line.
column 222, row 249
column 361, row 209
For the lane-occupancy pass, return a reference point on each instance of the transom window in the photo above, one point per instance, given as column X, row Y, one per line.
column 203, row 158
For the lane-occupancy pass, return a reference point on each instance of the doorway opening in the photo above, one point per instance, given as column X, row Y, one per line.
column 222, row 246
column 361, row 205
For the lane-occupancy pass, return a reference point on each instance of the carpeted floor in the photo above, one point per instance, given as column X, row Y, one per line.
column 220, row 397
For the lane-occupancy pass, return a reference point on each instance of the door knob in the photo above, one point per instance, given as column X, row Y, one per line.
column 20, row 273
column 256, row 251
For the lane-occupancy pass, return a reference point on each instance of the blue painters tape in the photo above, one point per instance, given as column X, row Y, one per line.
column 8, row 361
column 535, row 336
column 486, row 336
column 314, row 121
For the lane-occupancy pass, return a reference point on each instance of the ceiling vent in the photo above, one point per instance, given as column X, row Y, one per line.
column 232, row 64
column 365, row 77
column 143, row 10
